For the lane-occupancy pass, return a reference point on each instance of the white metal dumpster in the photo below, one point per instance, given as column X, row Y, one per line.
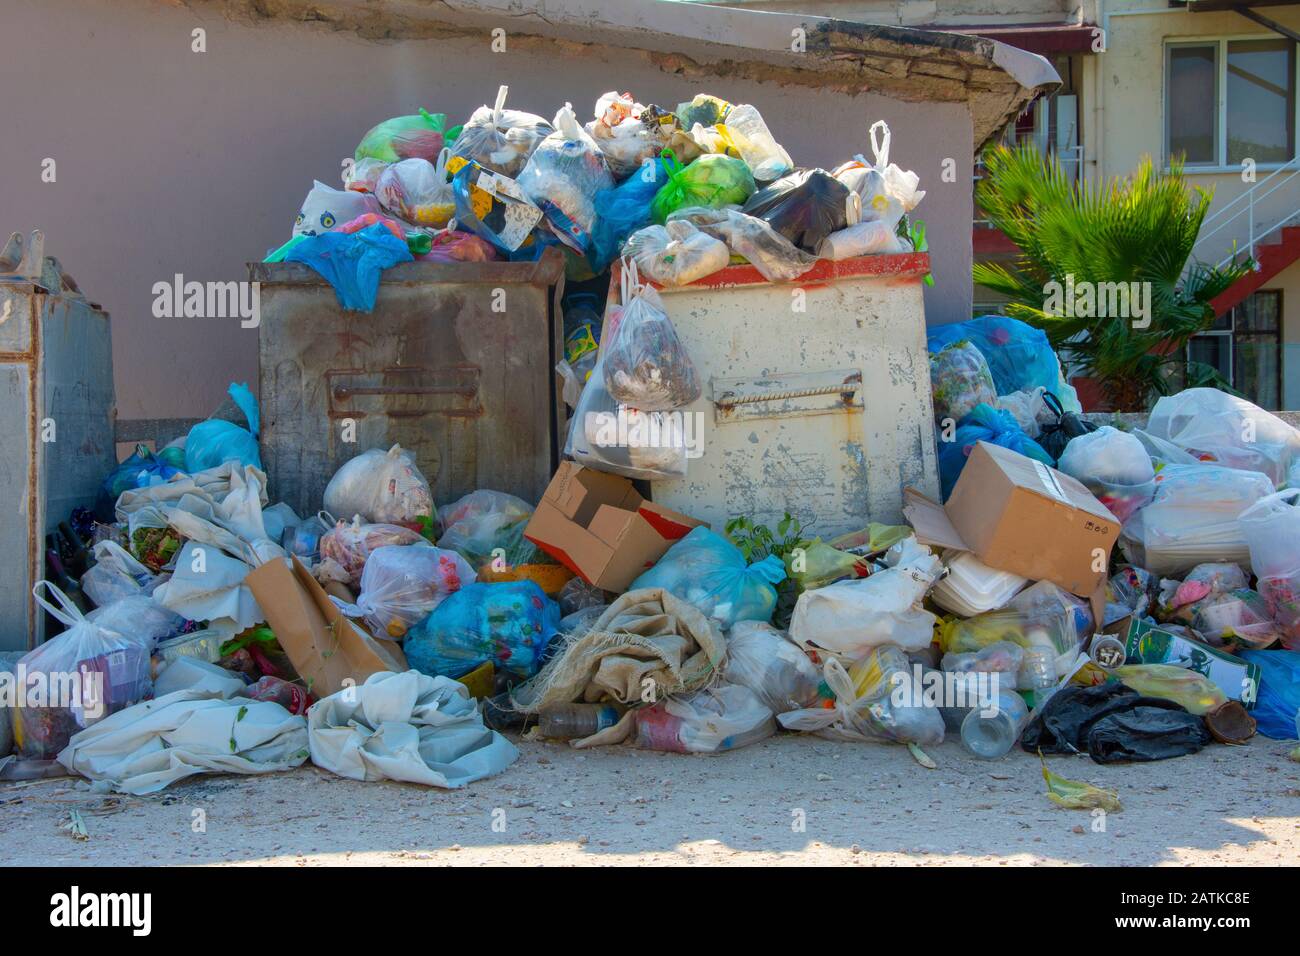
column 816, row 394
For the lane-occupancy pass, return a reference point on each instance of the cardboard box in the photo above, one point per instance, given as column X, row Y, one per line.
column 1017, row 514
column 598, row 526
column 324, row 645
column 1146, row 643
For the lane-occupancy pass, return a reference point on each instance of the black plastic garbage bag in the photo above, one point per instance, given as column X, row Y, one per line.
column 1111, row 722
column 806, row 206
column 1068, row 425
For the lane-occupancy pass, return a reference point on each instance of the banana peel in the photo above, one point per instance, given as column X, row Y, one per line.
column 1076, row 795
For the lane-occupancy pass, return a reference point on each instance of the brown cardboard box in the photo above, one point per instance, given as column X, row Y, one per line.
column 324, row 646
column 1019, row 515
column 596, row 524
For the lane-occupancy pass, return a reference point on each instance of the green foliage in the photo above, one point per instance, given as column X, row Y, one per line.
column 1138, row 230
column 756, row 541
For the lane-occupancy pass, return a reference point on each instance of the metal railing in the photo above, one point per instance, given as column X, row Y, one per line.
column 1262, row 214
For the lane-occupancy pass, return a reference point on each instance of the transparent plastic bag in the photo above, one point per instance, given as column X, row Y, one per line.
column 509, row 623
column 1027, row 408
column 703, row 108
column 749, row 134
column 676, row 254
column 775, row 257
column 708, row 571
column 138, row 616
column 1020, row 357
column 713, row 720
column 89, row 672
column 643, row 362
column 960, row 380
column 381, row 487
column 712, row 180
column 401, row 585
column 771, row 665
column 805, row 206
column 349, row 544
column 624, row 140
column 1240, row 615
column 1271, row 527
column 483, row 521
column 418, row 191
column 1114, row 466
column 563, row 176
column 577, row 595
column 1193, row 691
column 115, row 575
column 1230, row 431
column 363, row 176
column 420, row 136
column 501, row 139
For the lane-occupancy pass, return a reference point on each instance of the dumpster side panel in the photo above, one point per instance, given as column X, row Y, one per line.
column 457, row 372
column 816, row 400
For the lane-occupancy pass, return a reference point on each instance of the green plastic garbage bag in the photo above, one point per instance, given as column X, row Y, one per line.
column 713, row 180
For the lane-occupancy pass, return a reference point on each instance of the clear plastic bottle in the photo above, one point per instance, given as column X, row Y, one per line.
column 572, row 721
column 991, row 732
column 1038, row 665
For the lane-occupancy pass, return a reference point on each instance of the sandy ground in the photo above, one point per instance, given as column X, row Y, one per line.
column 858, row 803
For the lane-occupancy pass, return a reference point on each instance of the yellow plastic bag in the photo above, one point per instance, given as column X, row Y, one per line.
column 1168, row 681
column 818, row 564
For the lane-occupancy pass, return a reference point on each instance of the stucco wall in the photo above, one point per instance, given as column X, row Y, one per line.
column 170, row 161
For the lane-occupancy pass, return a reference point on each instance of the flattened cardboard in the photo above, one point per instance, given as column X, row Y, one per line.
column 1145, row 643
column 324, row 646
column 597, row 526
column 1017, row 514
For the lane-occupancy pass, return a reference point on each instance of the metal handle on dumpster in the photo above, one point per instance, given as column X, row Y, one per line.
column 731, row 399
column 342, row 392
column 787, row 394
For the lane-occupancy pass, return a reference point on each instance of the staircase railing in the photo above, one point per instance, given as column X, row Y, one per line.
column 1256, row 210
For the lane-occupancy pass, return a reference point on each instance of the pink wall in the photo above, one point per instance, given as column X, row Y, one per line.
column 172, row 161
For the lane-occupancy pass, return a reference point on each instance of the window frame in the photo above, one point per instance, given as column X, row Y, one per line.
column 1220, row 43
column 1230, row 335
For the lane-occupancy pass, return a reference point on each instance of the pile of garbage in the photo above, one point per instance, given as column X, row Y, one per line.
column 681, row 193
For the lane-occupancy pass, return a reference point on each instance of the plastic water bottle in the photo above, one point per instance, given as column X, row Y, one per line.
column 991, row 732
column 1038, row 666
column 571, row 721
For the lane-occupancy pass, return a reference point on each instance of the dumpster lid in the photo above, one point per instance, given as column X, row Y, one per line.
column 547, row 270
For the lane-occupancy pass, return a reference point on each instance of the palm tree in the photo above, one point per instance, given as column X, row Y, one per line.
column 1078, row 236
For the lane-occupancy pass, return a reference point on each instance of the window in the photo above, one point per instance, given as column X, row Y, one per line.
column 1245, row 345
column 1230, row 100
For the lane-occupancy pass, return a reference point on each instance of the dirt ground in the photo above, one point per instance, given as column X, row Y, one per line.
column 857, row 803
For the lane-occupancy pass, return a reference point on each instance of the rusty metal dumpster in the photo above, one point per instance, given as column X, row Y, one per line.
column 816, row 394
column 455, row 363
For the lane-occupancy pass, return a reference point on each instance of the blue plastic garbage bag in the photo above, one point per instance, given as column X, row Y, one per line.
column 984, row 423
column 352, row 262
column 623, row 210
column 707, row 570
column 142, row 469
column 1019, row 355
column 509, row 623
column 1278, row 697
column 215, row 441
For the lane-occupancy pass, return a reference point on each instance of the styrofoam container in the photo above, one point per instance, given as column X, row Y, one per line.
column 972, row 587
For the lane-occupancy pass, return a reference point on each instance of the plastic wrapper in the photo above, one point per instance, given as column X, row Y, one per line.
column 818, row 564
column 1215, row 426
column 1019, row 355
column 960, row 380
column 1193, row 691
column 138, row 616
column 420, row 136
column 510, row 624
column 748, row 134
column 214, row 442
column 984, row 423
column 704, row 108
column 381, row 487
column 676, row 254
column 608, row 436
column 562, row 177
column 325, row 208
column 1193, row 518
column 623, row 210
column 875, row 238
column 624, row 140
column 1059, row 633
column 708, row 571
column 643, row 362
column 89, row 673
column 712, row 180
column 115, row 575
column 1129, row 593
column 485, row 522
column 775, row 257
column 1114, row 466
column 806, row 206
column 418, row 191
column 771, row 665
column 401, row 585
column 884, row 190
column 1201, row 582
column 849, row 618
column 718, row 718
column 501, row 139
column 349, row 544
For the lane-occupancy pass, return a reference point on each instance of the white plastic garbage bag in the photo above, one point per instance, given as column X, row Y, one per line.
column 1215, row 426
column 763, row 659
column 155, row 743
column 885, row 190
column 381, row 487
column 1193, row 518
column 874, row 238
column 138, row 616
column 677, row 253
column 718, row 718
column 408, row 727
column 1271, row 527
column 775, row 257
column 115, row 575
column 401, row 585
column 1114, row 466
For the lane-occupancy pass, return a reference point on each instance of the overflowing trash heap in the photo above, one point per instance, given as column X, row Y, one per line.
column 1126, row 594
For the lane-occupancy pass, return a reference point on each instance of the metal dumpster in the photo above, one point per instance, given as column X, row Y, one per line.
column 455, row 363
column 816, row 394
column 56, row 423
